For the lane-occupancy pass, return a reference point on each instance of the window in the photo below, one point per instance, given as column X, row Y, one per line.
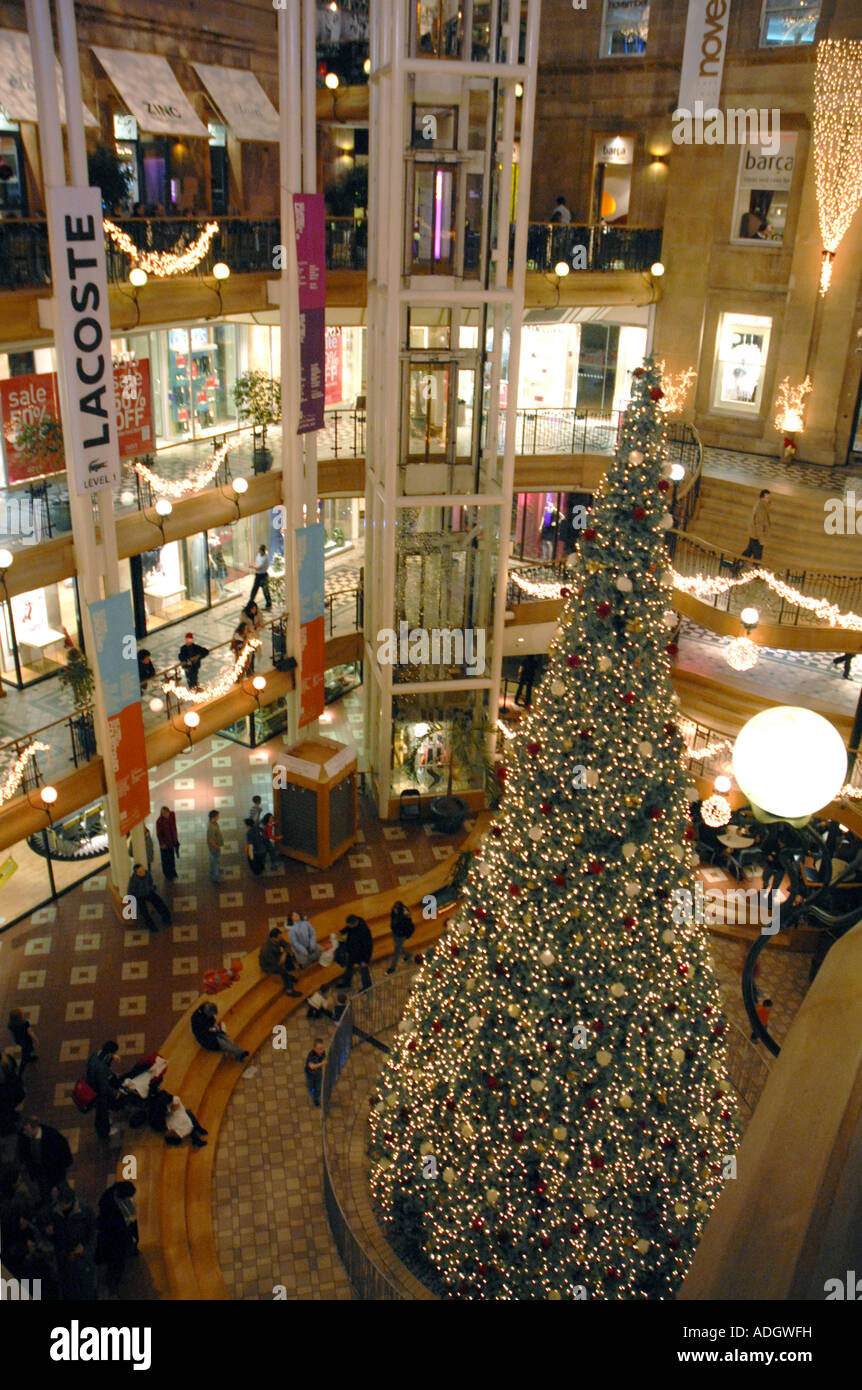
column 786, row 22
column 624, row 32
column 741, row 352
column 763, row 192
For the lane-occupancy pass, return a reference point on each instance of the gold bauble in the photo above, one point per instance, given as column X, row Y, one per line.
column 577, row 838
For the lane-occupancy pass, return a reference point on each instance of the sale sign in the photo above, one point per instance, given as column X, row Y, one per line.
column 26, row 400
column 332, row 372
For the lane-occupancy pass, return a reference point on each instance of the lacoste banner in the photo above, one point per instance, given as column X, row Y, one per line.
column 83, row 338
column 703, row 54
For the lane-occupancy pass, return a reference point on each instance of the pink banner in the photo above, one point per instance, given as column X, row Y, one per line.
column 310, row 224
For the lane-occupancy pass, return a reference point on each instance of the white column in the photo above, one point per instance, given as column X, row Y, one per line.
column 95, row 547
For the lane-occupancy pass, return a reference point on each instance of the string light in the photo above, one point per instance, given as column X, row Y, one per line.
column 741, row 654
column 716, row 811
column 676, row 386
column 712, row 750
column 216, row 689
column 790, row 406
column 837, row 130
column 163, row 263
column 15, row 776
column 186, row 485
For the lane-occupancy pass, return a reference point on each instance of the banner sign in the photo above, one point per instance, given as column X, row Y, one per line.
column 310, row 226
column 311, row 577
column 25, row 400
column 333, row 367
column 703, row 54
column 117, row 659
column 83, row 336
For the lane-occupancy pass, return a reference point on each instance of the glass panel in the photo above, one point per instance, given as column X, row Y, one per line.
column 428, row 328
column 428, row 406
column 11, row 188
column 435, row 127
column 445, row 576
column 179, row 384
column 787, row 22
column 438, row 29
column 46, row 625
column 175, row 580
column 213, row 374
column 433, row 220
column 625, row 28
column 439, row 735
column 743, row 346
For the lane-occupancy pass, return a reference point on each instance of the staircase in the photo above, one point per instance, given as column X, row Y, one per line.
column 797, row 540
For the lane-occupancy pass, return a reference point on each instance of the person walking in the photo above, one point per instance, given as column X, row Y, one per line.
column 845, row 660
column 116, row 1233
column 530, row 667
column 401, row 927
column 275, row 959
column 74, row 1235
column 261, row 576
column 169, row 844
column 267, row 829
column 24, row 1037
column 190, row 657
column 759, row 525
column 142, row 891
column 101, row 1078
column 303, row 940
column 255, row 846
column 45, row 1154
column 314, row 1064
column 358, row 946
column 215, row 845
column 211, row 1035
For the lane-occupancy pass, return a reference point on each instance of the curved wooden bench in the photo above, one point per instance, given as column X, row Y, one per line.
column 177, row 1238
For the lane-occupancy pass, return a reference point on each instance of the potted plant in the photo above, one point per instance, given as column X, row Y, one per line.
column 257, row 397
column 465, row 747
column 77, row 677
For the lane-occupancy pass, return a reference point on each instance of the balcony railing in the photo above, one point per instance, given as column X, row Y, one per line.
column 584, row 247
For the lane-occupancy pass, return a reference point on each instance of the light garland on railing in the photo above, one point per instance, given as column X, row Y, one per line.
column 676, row 386
column 712, row 750
column 837, row 130
column 15, row 775
column 701, row 588
column 162, row 264
column 790, row 406
column 548, row 589
column 218, row 688
column 181, row 489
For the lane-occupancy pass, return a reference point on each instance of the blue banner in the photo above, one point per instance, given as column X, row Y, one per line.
column 312, row 577
column 116, row 651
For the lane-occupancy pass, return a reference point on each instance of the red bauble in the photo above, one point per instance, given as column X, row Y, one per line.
column 450, row 1105
column 655, row 813
column 596, row 866
column 533, row 749
column 656, row 393
column 689, row 833
column 541, row 1187
column 589, row 533
column 490, row 1082
column 517, row 1136
column 501, row 772
column 478, row 1223
column 514, row 889
column 586, row 733
column 612, row 1274
column 480, row 913
column 456, row 950
column 496, row 831
column 549, row 1047
column 663, row 485
column 573, row 660
column 674, row 1244
column 638, row 372
column 671, row 648
column 630, row 921
column 670, row 728
column 682, row 970
column 437, row 1026
column 575, row 1227
column 411, row 1046
column 436, row 974
column 545, row 808
column 629, row 697
column 560, row 880
column 565, row 592
column 545, row 1242
column 592, row 1104
column 596, row 1161
column 638, row 513
column 603, row 609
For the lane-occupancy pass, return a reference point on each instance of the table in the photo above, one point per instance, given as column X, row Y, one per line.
column 162, row 595
column 37, row 639
column 733, row 840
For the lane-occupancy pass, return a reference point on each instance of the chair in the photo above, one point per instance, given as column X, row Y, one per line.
column 409, row 805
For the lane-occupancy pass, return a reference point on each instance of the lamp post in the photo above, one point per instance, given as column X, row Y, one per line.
column 163, row 511
column 191, row 720
column 48, row 796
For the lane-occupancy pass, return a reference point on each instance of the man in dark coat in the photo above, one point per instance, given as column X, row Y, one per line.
column 117, row 1232
column 104, row 1081
column 74, row 1234
column 190, row 657
column 276, row 959
column 142, row 891
column 210, row 1034
column 45, row 1154
column 359, row 945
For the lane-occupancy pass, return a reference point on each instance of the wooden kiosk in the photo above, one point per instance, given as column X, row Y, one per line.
column 316, row 810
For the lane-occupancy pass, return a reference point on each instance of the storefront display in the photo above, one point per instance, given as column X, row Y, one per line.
column 36, row 631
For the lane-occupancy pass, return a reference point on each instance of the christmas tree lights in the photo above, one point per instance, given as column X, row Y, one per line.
column 552, row 1120
column 837, row 129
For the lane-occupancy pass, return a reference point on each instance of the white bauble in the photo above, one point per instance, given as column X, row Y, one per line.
column 668, row 936
column 678, row 1055
column 492, row 1196
column 405, row 1024
column 700, row 1120
column 667, row 578
column 547, row 958
column 632, row 889
column 464, row 928
column 558, row 688
column 691, row 794
column 629, row 850
column 535, row 833
column 467, row 1130
column 537, row 1085
column 636, row 456
column 426, row 1147
column 448, row 1176
column 645, row 749
column 701, row 1205
column 669, row 617
column 618, row 990
column 642, row 1246
column 625, row 1101
column 666, row 522
column 560, row 1133
column 677, row 852
column 474, row 1023
column 604, row 663
column 603, row 1058
column 514, row 1010
column 590, row 1211
column 624, row 584
column 679, row 1208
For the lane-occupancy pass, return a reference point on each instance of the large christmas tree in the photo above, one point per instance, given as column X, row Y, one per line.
column 553, row 1117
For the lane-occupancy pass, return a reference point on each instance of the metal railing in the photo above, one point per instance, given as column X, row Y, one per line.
column 589, row 247
column 747, row 1070
column 373, row 1011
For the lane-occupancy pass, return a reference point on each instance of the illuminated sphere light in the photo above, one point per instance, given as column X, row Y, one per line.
column 6, row 558
column 789, row 762
column 716, row 811
column 750, row 617
column 722, row 784
column 240, row 485
column 677, row 472
column 331, row 80
column 127, row 499
column 561, row 269
column 191, row 719
column 156, row 705
column 49, row 795
column 164, row 507
column 366, row 66
column 741, row 654
column 221, row 271
column 259, row 683
column 519, row 89
column 656, row 270
column 138, row 277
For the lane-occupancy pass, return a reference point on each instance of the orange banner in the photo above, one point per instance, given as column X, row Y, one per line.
column 129, row 757
column 311, row 687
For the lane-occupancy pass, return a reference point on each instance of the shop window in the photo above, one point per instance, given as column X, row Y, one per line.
column 435, row 127
column 434, row 200
column 12, row 199
column 438, row 29
column 175, row 581
column 763, row 191
column 785, row 22
column 742, row 349
column 624, row 31
column 201, row 375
